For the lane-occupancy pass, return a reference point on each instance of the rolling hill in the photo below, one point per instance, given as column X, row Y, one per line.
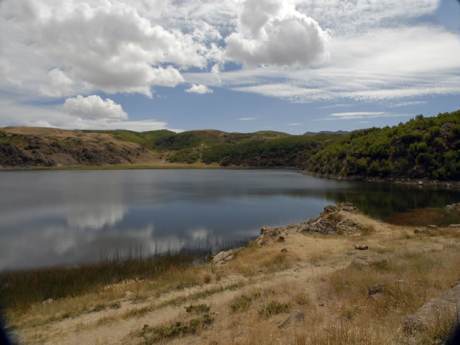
column 424, row 147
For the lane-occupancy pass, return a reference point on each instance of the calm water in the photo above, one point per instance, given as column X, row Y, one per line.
column 70, row 217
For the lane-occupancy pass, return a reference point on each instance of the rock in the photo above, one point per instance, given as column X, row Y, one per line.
column 269, row 235
column 348, row 207
column 264, row 230
column 332, row 221
column 421, row 231
column 361, row 247
column 224, row 256
column 375, row 290
column 428, row 315
column 284, row 250
column 453, row 207
column 432, row 226
column 295, row 317
column 48, row 301
column 454, row 226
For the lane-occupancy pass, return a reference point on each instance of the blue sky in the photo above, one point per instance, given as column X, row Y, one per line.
column 234, row 65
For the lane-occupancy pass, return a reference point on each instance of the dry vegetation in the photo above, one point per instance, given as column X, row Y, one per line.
column 307, row 290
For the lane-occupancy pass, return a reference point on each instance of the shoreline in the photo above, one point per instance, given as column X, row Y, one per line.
column 421, row 182
column 347, row 259
column 116, row 167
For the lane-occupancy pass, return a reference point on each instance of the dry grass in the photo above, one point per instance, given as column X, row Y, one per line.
column 257, row 298
column 152, row 335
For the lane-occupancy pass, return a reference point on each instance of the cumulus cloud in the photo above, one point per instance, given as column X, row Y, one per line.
column 296, row 50
column 379, row 65
column 16, row 114
column 199, row 89
column 94, row 108
column 67, row 47
column 273, row 32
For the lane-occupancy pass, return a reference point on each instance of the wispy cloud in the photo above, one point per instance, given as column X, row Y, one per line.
column 363, row 115
column 407, row 104
column 250, row 118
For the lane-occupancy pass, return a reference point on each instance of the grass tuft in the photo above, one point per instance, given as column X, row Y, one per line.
column 273, row 308
column 152, row 335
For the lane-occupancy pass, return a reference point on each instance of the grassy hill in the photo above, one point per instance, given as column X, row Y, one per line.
column 424, row 147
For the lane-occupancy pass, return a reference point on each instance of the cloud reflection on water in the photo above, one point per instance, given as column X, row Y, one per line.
column 66, row 218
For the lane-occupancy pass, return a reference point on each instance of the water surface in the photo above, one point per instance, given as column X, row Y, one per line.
column 52, row 218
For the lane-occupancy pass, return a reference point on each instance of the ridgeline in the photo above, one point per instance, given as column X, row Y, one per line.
column 422, row 148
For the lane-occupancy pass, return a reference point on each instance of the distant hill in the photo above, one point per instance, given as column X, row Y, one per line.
column 425, row 147
column 45, row 147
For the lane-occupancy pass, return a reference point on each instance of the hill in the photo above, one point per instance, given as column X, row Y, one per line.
column 424, row 147
column 46, row 147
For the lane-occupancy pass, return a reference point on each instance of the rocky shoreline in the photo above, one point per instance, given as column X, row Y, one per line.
column 331, row 221
column 340, row 274
column 421, row 183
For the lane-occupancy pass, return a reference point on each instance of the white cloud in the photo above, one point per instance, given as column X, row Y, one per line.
column 287, row 91
column 296, row 50
column 407, row 104
column 273, row 32
column 12, row 113
column 94, row 108
column 199, row 89
column 363, row 115
column 380, row 65
column 360, row 15
column 90, row 46
column 249, row 118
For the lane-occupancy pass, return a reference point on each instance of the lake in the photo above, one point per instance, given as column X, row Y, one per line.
column 50, row 218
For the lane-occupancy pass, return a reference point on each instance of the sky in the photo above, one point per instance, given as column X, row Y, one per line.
column 235, row 65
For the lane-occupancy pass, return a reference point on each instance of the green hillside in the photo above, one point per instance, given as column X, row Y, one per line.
column 425, row 147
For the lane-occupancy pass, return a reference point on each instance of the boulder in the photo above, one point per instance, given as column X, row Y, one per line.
column 270, row 235
column 48, row 301
column 445, row 306
column 224, row 256
column 453, row 207
column 361, row 247
column 332, row 221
